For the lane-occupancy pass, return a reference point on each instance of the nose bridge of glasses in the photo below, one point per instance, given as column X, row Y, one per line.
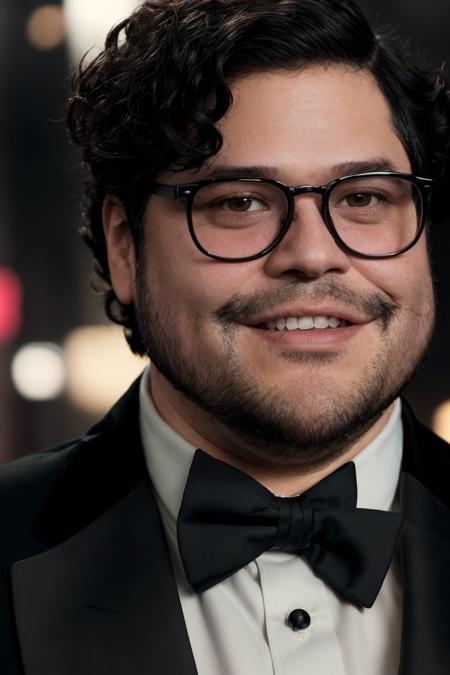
column 298, row 190
column 303, row 214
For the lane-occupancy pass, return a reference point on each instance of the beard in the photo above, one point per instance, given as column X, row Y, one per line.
column 276, row 426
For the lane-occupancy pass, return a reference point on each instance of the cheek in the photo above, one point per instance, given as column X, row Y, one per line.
column 406, row 280
column 186, row 279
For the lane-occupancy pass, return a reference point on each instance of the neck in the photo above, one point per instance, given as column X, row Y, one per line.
column 203, row 432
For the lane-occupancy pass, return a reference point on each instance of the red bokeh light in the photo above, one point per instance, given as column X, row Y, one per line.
column 10, row 305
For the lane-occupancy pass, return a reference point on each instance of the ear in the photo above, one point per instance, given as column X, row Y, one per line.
column 119, row 248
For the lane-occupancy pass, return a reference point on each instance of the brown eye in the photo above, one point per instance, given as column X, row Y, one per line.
column 242, row 204
column 361, row 199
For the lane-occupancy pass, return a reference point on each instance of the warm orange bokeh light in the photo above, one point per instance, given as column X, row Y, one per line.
column 45, row 27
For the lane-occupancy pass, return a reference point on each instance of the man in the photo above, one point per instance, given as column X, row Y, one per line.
column 260, row 180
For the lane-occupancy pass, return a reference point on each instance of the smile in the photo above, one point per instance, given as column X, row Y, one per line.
column 308, row 328
column 305, row 322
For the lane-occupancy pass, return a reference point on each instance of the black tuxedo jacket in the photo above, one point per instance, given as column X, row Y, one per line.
column 86, row 582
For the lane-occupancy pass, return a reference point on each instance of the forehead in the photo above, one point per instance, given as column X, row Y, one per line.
column 309, row 121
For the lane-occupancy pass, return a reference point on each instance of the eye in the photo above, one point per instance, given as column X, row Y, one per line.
column 362, row 199
column 242, row 204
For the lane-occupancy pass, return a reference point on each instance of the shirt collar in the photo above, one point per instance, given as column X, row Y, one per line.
column 168, row 458
column 378, row 465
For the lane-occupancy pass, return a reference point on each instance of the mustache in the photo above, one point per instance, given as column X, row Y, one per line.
column 245, row 307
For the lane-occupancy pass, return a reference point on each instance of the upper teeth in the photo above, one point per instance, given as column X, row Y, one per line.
column 305, row 323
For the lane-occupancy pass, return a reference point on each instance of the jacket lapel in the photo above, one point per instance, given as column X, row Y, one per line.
column 425, row 553
column 104, row 601
column 425, row 564
column 103, row 598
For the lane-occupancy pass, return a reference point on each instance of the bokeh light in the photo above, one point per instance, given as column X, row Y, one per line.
column 441, row 421
column 100, row 367
column 45, row 27
column 88, row 23
column 10, row 305
column 38, row 371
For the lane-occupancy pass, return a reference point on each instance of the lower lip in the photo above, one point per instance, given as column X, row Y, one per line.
column 312, row 339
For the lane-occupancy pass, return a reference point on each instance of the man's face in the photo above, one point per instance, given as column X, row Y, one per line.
column 299, row 396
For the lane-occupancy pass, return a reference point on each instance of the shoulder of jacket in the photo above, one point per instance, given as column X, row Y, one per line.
column 26, row 478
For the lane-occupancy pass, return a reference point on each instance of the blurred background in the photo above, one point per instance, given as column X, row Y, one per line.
column 61, row 364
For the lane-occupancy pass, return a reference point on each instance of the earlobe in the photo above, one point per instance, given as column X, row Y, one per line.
column 119, row 249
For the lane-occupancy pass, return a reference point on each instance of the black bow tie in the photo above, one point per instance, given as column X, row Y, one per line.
column 227, row 519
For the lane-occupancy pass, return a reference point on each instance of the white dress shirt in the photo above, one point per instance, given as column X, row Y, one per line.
column 239, row 627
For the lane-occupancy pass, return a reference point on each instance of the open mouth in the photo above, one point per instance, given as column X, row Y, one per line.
column 304, row 323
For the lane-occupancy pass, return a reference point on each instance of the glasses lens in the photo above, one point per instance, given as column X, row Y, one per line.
column 376, row 215
column 238, row 219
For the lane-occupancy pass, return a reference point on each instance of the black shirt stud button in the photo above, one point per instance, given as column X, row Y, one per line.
column 299, row 619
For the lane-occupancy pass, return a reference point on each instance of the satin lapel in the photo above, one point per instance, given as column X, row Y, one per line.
column 104, row 601
column 425, row 563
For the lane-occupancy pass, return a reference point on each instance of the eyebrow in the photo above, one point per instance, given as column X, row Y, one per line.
column 271, row 172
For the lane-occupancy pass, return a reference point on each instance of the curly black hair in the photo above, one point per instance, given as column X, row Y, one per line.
column 151, row 99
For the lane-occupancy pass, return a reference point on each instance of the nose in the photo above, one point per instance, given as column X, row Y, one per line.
column 308, row 248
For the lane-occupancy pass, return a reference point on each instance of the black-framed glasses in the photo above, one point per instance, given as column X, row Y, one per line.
column 377, row 214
